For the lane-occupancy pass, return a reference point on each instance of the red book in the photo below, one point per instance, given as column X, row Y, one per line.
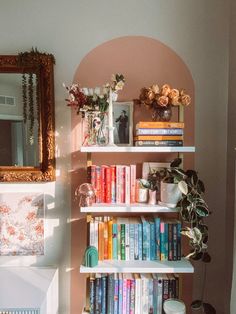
column 108, row 185
column 103, row 184
column 98, row 184
column 122, row 184
column 113, row 184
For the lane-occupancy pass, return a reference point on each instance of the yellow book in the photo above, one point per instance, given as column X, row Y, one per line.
column 159, row 125
column 158, row 138
column 110, row 223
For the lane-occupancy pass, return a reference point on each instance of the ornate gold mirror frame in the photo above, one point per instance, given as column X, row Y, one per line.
column 41, row 64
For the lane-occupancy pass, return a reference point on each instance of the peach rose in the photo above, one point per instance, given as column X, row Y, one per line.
column 155, row 89
column 162, row 101
column 175, row 101
column 174, row 93
column 150, row 94
column 185, row 100
column 165, row 89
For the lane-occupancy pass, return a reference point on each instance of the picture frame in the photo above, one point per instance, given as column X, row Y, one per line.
column 123, row 123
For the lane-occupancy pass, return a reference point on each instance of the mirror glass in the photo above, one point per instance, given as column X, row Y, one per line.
column 19, row 120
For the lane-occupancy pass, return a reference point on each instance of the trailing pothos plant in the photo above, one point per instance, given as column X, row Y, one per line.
column 193, row 211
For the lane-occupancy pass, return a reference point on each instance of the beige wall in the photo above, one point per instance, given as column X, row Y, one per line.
column 196, row 30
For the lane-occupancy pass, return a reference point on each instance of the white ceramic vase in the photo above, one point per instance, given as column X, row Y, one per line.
column 170, row 194
column 174, row 306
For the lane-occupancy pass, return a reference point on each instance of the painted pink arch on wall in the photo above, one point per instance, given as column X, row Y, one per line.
column 143, row 61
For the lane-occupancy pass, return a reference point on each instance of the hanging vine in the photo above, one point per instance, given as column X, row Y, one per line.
column 24, row 97
column 31, row 107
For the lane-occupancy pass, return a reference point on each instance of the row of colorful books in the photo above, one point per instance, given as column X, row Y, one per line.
column 159, row 134
column 113, row 184
column 131, row 293
column 134, row 238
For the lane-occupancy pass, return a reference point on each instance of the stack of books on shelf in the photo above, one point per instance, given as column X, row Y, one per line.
column 136, row 238
column 131, row 293
column 159, row 134
column 113, row 184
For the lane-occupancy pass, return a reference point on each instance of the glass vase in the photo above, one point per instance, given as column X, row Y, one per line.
column 162, row 113
column 95, row 128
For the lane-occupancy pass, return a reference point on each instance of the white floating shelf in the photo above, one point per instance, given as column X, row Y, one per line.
column 111, row 266
column 124, row 208
column 134, row 149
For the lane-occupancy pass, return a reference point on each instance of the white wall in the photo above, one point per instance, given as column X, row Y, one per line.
column 196, row 30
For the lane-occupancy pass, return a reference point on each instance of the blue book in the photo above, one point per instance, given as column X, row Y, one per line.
column 104, row 294
column 114, row 241
column 140, row 242
column 120, row 299
column 146, row 239
column 98, row 294
column 110, row 294
column 164, row 240
column 116, row 294
column 179, row 253
column 92, row 295
column 131, row 242
column 157, row 237
column 152, row 240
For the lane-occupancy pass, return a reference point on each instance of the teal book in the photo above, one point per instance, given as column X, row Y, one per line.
column 157, row 237
column 140, row 242
column 114, row 241
column 110, row 294
column 92, row 295
column 179, row 253
column 122, row 242
column 104, row 294
column 136, row 244
column 164, row 240
column 98, row 294
column 152, row 240
column 146, row 238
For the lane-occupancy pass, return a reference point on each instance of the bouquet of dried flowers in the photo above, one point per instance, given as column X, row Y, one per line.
column 97, row 99
column 161, row 99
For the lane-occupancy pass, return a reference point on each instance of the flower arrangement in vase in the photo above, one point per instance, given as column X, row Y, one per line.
column 93, row 105
column 161, row 100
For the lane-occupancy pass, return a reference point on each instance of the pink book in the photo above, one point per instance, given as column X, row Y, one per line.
column 127, row 185
column 132, row 183
column 103, row 178
column 118, row 183
column 108, row 185
column 98, row 184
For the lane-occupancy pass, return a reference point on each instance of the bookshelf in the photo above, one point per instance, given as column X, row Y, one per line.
column 111, row 266
column 182, row 266
column 130, row 208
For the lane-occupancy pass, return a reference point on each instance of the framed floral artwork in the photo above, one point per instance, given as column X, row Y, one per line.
column 22, row 223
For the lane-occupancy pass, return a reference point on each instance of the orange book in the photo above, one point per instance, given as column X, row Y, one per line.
column 158, row 138
column 108, row 185
column 158, row 125
column 101, row 241
column 110, row 223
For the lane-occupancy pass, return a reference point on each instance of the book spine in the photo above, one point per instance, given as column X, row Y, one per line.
column 103, row 183
column 166, row 241
column 177, row 294
column 98, row 184
column 122, row 242
column 149, row 124
column 158, row 143
column 92, row 295
column 110, row 294
column 131, row 242
column 122, row 185
column 150, row 131
column 179, row 253
column 114, row 241
column 132, row 183
column 96, row 233
column 98, row 295
column 92, row 176
column 150, row 296
column 140, row 242
column 174, row 234
column 124, row 296
column 113, row 184
column 128, row 297
column 132, row 296
column 170, row 241
column 157, row 235
column 110, row 239
column 108, row 185
column 165, row 289
column 136, row 251
column 118, row 184
column 92, row 233
column 158, row 138
column 159, row 296
column 104, row 294
column 101, row 240
column 162, row 240
column 127, row 242
column 152, row 242
column 138, row 296
column 105, row 237
column 144, row 239
column 145, row 295
column 127, row 184
column 120, row 299
column 155, row 293
column 116, row 294
column 118, row 242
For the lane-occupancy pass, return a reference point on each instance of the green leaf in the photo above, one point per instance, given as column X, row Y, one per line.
column 202, row 211
column 196, row 305
column 182, row 185
column 175, row 163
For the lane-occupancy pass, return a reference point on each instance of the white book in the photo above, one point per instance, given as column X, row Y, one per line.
column 96, row 233
column 92, row 233
column 127, row 185
column 138, row 294
column 145, row 292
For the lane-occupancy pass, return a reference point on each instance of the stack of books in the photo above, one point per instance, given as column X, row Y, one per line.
column 136, row 238
column 131, row 293
column 159, row 134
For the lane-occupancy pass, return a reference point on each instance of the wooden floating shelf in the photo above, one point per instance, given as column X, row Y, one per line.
column 111, row 266
column 134, row 149
column 127, row 208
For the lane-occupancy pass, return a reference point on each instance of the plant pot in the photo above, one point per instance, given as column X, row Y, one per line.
column 142, row 196
column 174, row 306
column 170, row 194
column 152, row 197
